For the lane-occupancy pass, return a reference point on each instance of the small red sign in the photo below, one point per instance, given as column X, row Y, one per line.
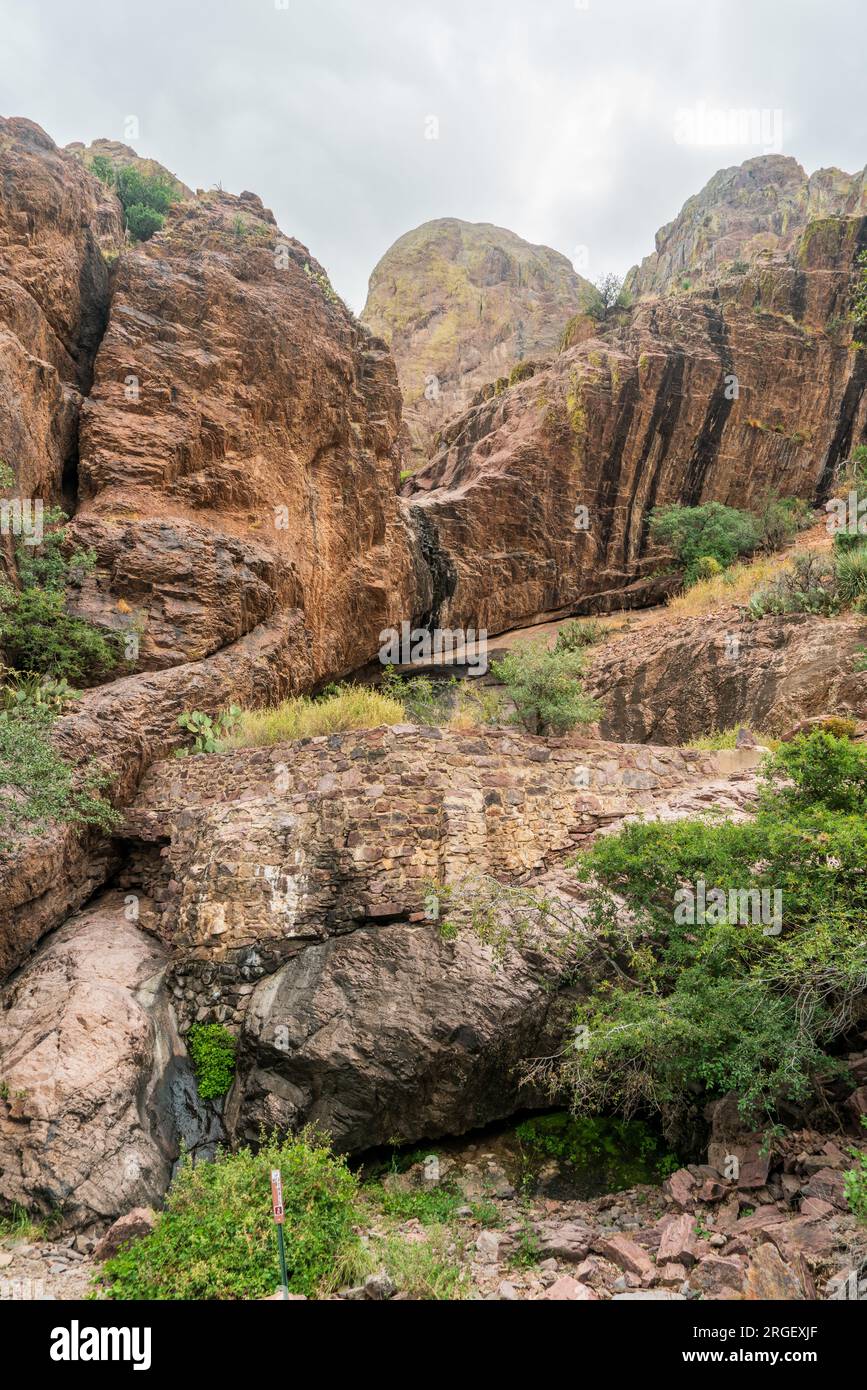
column 277, row 1196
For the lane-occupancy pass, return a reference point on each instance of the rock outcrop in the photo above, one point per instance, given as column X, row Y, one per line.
column 679, row 679
column 293, row 885
column 239, row 450
column 540, row 495
column 97, row 1092
column 55, row 222
column 461, row 304
column 761, row 206
column 121, row 156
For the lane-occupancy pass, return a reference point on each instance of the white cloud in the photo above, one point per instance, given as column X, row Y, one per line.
column 554, row 121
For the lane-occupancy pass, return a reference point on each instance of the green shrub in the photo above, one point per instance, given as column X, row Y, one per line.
column 212, row 1051
column 707, row 567
column 38, row 634
column 780, row 519
column 546, row 688
column 710, row 531
column 209, row 735
column 142, row 221
column 856, row 1183
column 808, row 585
column 36, row 786
column 695, row 1009
column 522, row 371
column 611, row 1154
column 572, row 637
column 851, row 571
column 145, row 198
column 215, row 1239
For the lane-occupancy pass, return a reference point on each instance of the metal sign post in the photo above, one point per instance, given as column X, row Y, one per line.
column 279, row 1217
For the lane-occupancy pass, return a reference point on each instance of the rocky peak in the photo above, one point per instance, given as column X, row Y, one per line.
column 762, row 205
column 460, row 304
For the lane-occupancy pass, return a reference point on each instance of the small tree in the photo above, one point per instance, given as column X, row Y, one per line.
column 546, row 688
column 710, row 530
column 612, row 297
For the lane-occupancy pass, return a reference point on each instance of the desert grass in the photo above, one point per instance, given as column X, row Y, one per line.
column 352, row 707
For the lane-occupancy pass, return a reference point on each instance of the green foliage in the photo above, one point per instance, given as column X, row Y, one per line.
column 36, row 785
column 707, row 567
column 145, row 198
column 37, row 633
column 212, row 1050
column 856, row 1183
column 860, row 663
column 209, row 735
column 697, row 1009
column 216, row 1240
column 851, row 574
column 859, row 298
column 572, row 637
column 819, row 769
column 780, row 519
column 142, row 221
column 709, row 531
column 545, row 687
column 609, row 1154
column 7, row 476
column 808, row 585
column 611, row 298
column 522, row 371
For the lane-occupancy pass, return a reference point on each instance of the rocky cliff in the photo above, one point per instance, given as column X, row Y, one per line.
column 759, row 207
column 461, row 304
column 540, row 494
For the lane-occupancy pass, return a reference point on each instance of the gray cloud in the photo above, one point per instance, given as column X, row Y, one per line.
column 555, row 121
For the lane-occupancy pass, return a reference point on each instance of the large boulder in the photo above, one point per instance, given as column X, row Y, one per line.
column 393, row 1034
column 97, row 1091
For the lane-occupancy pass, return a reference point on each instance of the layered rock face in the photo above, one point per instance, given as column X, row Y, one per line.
column 685, row 678
column 235, row 470
column 293, row 885
column 762, row 205
column 460, row 304
column 54, row 291
column 540, row 496
column 239, row 450
column 98, row 1089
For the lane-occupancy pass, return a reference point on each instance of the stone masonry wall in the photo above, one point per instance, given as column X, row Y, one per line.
column 249, row 857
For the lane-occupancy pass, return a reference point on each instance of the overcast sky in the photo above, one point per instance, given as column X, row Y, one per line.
column 556, row 118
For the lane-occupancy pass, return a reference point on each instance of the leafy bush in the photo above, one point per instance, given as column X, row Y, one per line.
column 209, row 735
column 709, row 531
column 215, row 1239
column 856, row 1183
column 142, row 221
column 697, row 1009
column 572, row 637
column 780, row 519
column 707, row 567
column 145, row 198
column 212, row 1050
column 808, row 585
column 37, row 633
column 613, row 1154
column 36, row 785
column 546, row 688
